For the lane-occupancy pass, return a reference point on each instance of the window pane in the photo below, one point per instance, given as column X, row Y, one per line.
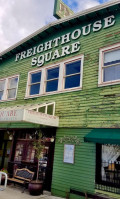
column 1, row 95
column 41, row 109
column 50, row 109
column 52, row 86
column 36, row 77
column 35, row 89
column 112, row 57
column 52, row 73
column 11, row 93
column 111, row 73
column 72, row 81
column 2, row 84
column 13, row 82
column 73, row 68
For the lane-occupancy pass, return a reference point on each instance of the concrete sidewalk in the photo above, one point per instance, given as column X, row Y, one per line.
column 16, row 193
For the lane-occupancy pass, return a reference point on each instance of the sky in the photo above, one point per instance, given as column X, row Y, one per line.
column 20, row 18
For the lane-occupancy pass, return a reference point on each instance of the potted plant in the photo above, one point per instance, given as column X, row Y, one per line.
column 36, row 186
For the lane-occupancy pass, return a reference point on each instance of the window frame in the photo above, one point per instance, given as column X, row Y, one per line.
column 61, row 66
column 29, row 82
column 64, row 76
column 101, row 65
column 6, row 88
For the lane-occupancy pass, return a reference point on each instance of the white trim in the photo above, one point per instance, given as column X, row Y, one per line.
column 101, row 62
column 60, row 21
column 61, row 89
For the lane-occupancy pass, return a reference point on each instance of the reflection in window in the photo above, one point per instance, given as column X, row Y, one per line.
column 12, row 87
column 2, row 85
column 72, row 74
column 52, row 79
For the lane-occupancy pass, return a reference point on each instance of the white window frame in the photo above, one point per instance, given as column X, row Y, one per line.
column 45, row 81
column 6, row 88
column 29, row 82
column 61, row 66
column 101, row 65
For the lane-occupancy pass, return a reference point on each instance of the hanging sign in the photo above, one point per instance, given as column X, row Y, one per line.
column 61, row 10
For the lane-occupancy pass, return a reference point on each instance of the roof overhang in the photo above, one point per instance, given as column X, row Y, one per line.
column 30, row 116
column 59, row 23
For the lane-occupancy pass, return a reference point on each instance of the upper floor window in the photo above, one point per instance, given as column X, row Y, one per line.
column 62, row 77
column 52, row 79
column 34, row 85
column 72, row 74
column 8, row 88
column 109, row 69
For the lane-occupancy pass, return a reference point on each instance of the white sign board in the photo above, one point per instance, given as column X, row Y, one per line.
column 69, row 153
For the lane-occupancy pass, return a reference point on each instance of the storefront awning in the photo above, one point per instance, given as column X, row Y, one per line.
column 103, row 136
column 27, row 114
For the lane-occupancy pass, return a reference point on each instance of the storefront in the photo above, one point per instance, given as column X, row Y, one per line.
column 64, row 80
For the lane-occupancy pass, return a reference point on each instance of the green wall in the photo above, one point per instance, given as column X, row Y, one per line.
column 81, row 174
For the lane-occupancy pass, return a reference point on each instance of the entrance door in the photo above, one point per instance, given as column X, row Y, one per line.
column 4, row 153
column 46, row 165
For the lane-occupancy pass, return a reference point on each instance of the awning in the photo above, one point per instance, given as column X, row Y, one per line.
column 103, row 136
column 27, row 114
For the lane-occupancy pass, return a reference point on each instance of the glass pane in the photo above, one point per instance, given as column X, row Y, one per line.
column 36, row 77
column 112, row 57
column 1, row 95
column 11, row 93
column 13, row 82
column 41, row 109
column 111, row 73
column 52, row 73
column 50, row 109
column 52, row 86
column 73, row 68
column 72, row 81
column 2, row 84
column 35, row 89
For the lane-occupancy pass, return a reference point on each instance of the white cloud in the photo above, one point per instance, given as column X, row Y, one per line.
column 20, row 18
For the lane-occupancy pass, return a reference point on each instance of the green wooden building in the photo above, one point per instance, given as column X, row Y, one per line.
column 64, row 81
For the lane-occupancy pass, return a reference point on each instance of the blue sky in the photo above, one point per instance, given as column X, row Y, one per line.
column 20, row 18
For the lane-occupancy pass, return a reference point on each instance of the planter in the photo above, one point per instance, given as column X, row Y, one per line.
column 35, row 187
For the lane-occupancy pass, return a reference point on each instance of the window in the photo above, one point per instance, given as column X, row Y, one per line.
column 72, row 74
column 108, row 166
column 8, row 88
column 57, row 78
column 109, row 71
column 34, row 86
column 52, row 79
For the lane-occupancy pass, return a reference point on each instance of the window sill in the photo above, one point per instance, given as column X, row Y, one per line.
column 9, row 100
column 53, row 93
column 108, row 84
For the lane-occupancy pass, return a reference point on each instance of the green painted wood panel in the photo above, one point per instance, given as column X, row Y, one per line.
column 79, row 175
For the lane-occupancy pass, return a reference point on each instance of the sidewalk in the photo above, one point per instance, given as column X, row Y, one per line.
column 16, row 193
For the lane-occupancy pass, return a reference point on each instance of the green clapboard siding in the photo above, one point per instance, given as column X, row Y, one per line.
column 79, row 175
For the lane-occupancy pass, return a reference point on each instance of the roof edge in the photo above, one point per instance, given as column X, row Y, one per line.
column 59, row 21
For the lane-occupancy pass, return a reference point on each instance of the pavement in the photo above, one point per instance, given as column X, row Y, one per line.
column 12, row 192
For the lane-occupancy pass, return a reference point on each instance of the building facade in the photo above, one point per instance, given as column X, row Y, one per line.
column 64, row 81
